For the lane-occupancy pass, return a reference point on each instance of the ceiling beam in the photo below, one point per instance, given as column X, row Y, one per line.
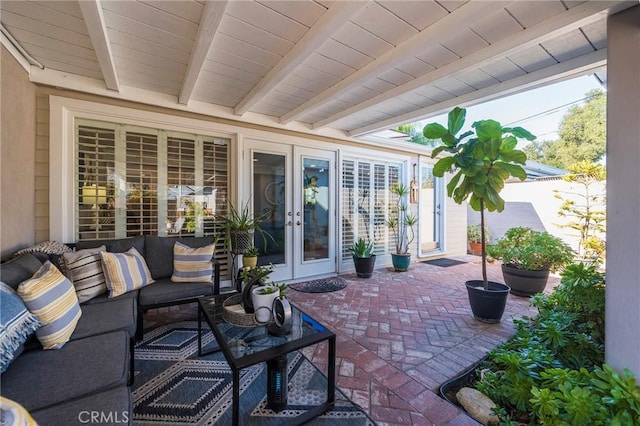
column 330, row 22
column 569, row 20
column 94, row 20
column 462, row 17
column 209, row 22
column 572, row 68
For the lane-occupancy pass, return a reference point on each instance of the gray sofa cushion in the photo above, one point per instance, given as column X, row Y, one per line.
column 115, row 246
column 165, row 291
column 104, row 298
column 18, row 269
column 99, row 318
column 39, row 379
column 116, row 403
column 160, row 252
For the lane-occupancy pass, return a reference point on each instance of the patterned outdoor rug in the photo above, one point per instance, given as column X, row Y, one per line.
column 173, row 386
column 444, row 262
column 324, row 285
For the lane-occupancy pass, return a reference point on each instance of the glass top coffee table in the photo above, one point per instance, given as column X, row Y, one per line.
column 246, row 346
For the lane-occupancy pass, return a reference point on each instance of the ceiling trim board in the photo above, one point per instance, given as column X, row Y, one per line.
column 576, row 67
column 567, row 21
column 332, row 20
column 94, row 19
column 462, row 17
column 212, row 14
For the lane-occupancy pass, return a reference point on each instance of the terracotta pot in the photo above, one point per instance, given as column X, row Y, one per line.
column 475, row 248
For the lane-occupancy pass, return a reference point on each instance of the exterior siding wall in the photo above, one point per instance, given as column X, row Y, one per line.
column 17, row 156
column 455, row 223
column 42, row 168
column 455, row 227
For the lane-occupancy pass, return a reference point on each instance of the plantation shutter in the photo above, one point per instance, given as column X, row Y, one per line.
column 136, row 181
column 348, row 207
column 365, row 203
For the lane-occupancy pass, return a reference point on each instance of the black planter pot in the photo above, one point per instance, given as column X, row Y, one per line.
column 524, row 283
column 464, row 379
column 364, row 265
column 487, row 305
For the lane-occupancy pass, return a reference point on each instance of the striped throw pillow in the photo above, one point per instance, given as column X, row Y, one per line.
column 14, row 414
column 192, row 264
column 124, row 272
column 50, row 296
column 85, row 270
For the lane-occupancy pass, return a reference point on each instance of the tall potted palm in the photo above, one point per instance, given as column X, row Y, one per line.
column 401, row 223
column 482, row 160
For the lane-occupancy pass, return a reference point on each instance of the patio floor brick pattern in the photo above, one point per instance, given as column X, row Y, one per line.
column 399, row 336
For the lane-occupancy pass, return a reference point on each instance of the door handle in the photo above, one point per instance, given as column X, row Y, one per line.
column 298, row 223
column 289, row 223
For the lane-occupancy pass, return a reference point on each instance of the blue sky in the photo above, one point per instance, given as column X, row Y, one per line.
column 518, row 107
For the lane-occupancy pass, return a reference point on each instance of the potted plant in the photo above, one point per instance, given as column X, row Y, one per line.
column 363, row 258
column 481, row 159
column 250, row 257
column 263, row 297
column 401, row 224
column 527, row 258
column 250, row 278
column 474, row 238
column 239, row 227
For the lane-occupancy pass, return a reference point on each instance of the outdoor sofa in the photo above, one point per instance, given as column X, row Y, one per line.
column 89, row 378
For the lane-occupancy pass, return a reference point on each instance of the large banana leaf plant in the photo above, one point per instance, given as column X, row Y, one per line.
column 482, row 160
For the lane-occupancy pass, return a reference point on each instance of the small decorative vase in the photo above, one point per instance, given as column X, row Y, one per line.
column 249, row 261
column 262, row 303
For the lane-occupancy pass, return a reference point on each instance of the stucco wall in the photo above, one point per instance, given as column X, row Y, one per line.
column 623, row 197
column 17, row 156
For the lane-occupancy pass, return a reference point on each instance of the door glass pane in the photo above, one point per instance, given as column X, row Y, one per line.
column 428, row 200
column 269, row 193
column 315, row 235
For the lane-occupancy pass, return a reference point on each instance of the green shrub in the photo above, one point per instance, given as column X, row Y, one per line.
column 524, row 248
column 552, row 371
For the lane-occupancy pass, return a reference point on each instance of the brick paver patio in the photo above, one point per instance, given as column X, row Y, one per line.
column 400, row 335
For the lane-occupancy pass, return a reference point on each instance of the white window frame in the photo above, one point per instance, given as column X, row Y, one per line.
column 63, row 113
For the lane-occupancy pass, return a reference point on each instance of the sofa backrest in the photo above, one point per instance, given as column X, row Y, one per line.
column 159, row 255
column 18, row 269
column 115, row 246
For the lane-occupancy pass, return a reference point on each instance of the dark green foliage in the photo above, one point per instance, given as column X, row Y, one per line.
column 524, row 248
column 361, row 248
column 551, row 371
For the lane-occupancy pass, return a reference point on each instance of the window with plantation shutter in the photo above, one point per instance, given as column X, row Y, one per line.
column 142, row 184
column 137, row 181
column 365, row 200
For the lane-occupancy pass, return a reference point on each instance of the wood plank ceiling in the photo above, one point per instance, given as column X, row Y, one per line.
column 352, row 67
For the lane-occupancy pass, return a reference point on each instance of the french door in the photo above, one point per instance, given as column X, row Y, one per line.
column 296, row 186
column 430, row 208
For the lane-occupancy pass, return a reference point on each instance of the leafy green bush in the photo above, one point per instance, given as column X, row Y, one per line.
column 551, row 371
column 524, row 248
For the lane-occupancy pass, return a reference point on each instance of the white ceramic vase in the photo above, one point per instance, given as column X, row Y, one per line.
column 262, row 303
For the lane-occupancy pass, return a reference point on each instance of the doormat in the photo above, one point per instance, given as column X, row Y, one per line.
column 324, row 285
column 175, row 387
column 445, row 262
